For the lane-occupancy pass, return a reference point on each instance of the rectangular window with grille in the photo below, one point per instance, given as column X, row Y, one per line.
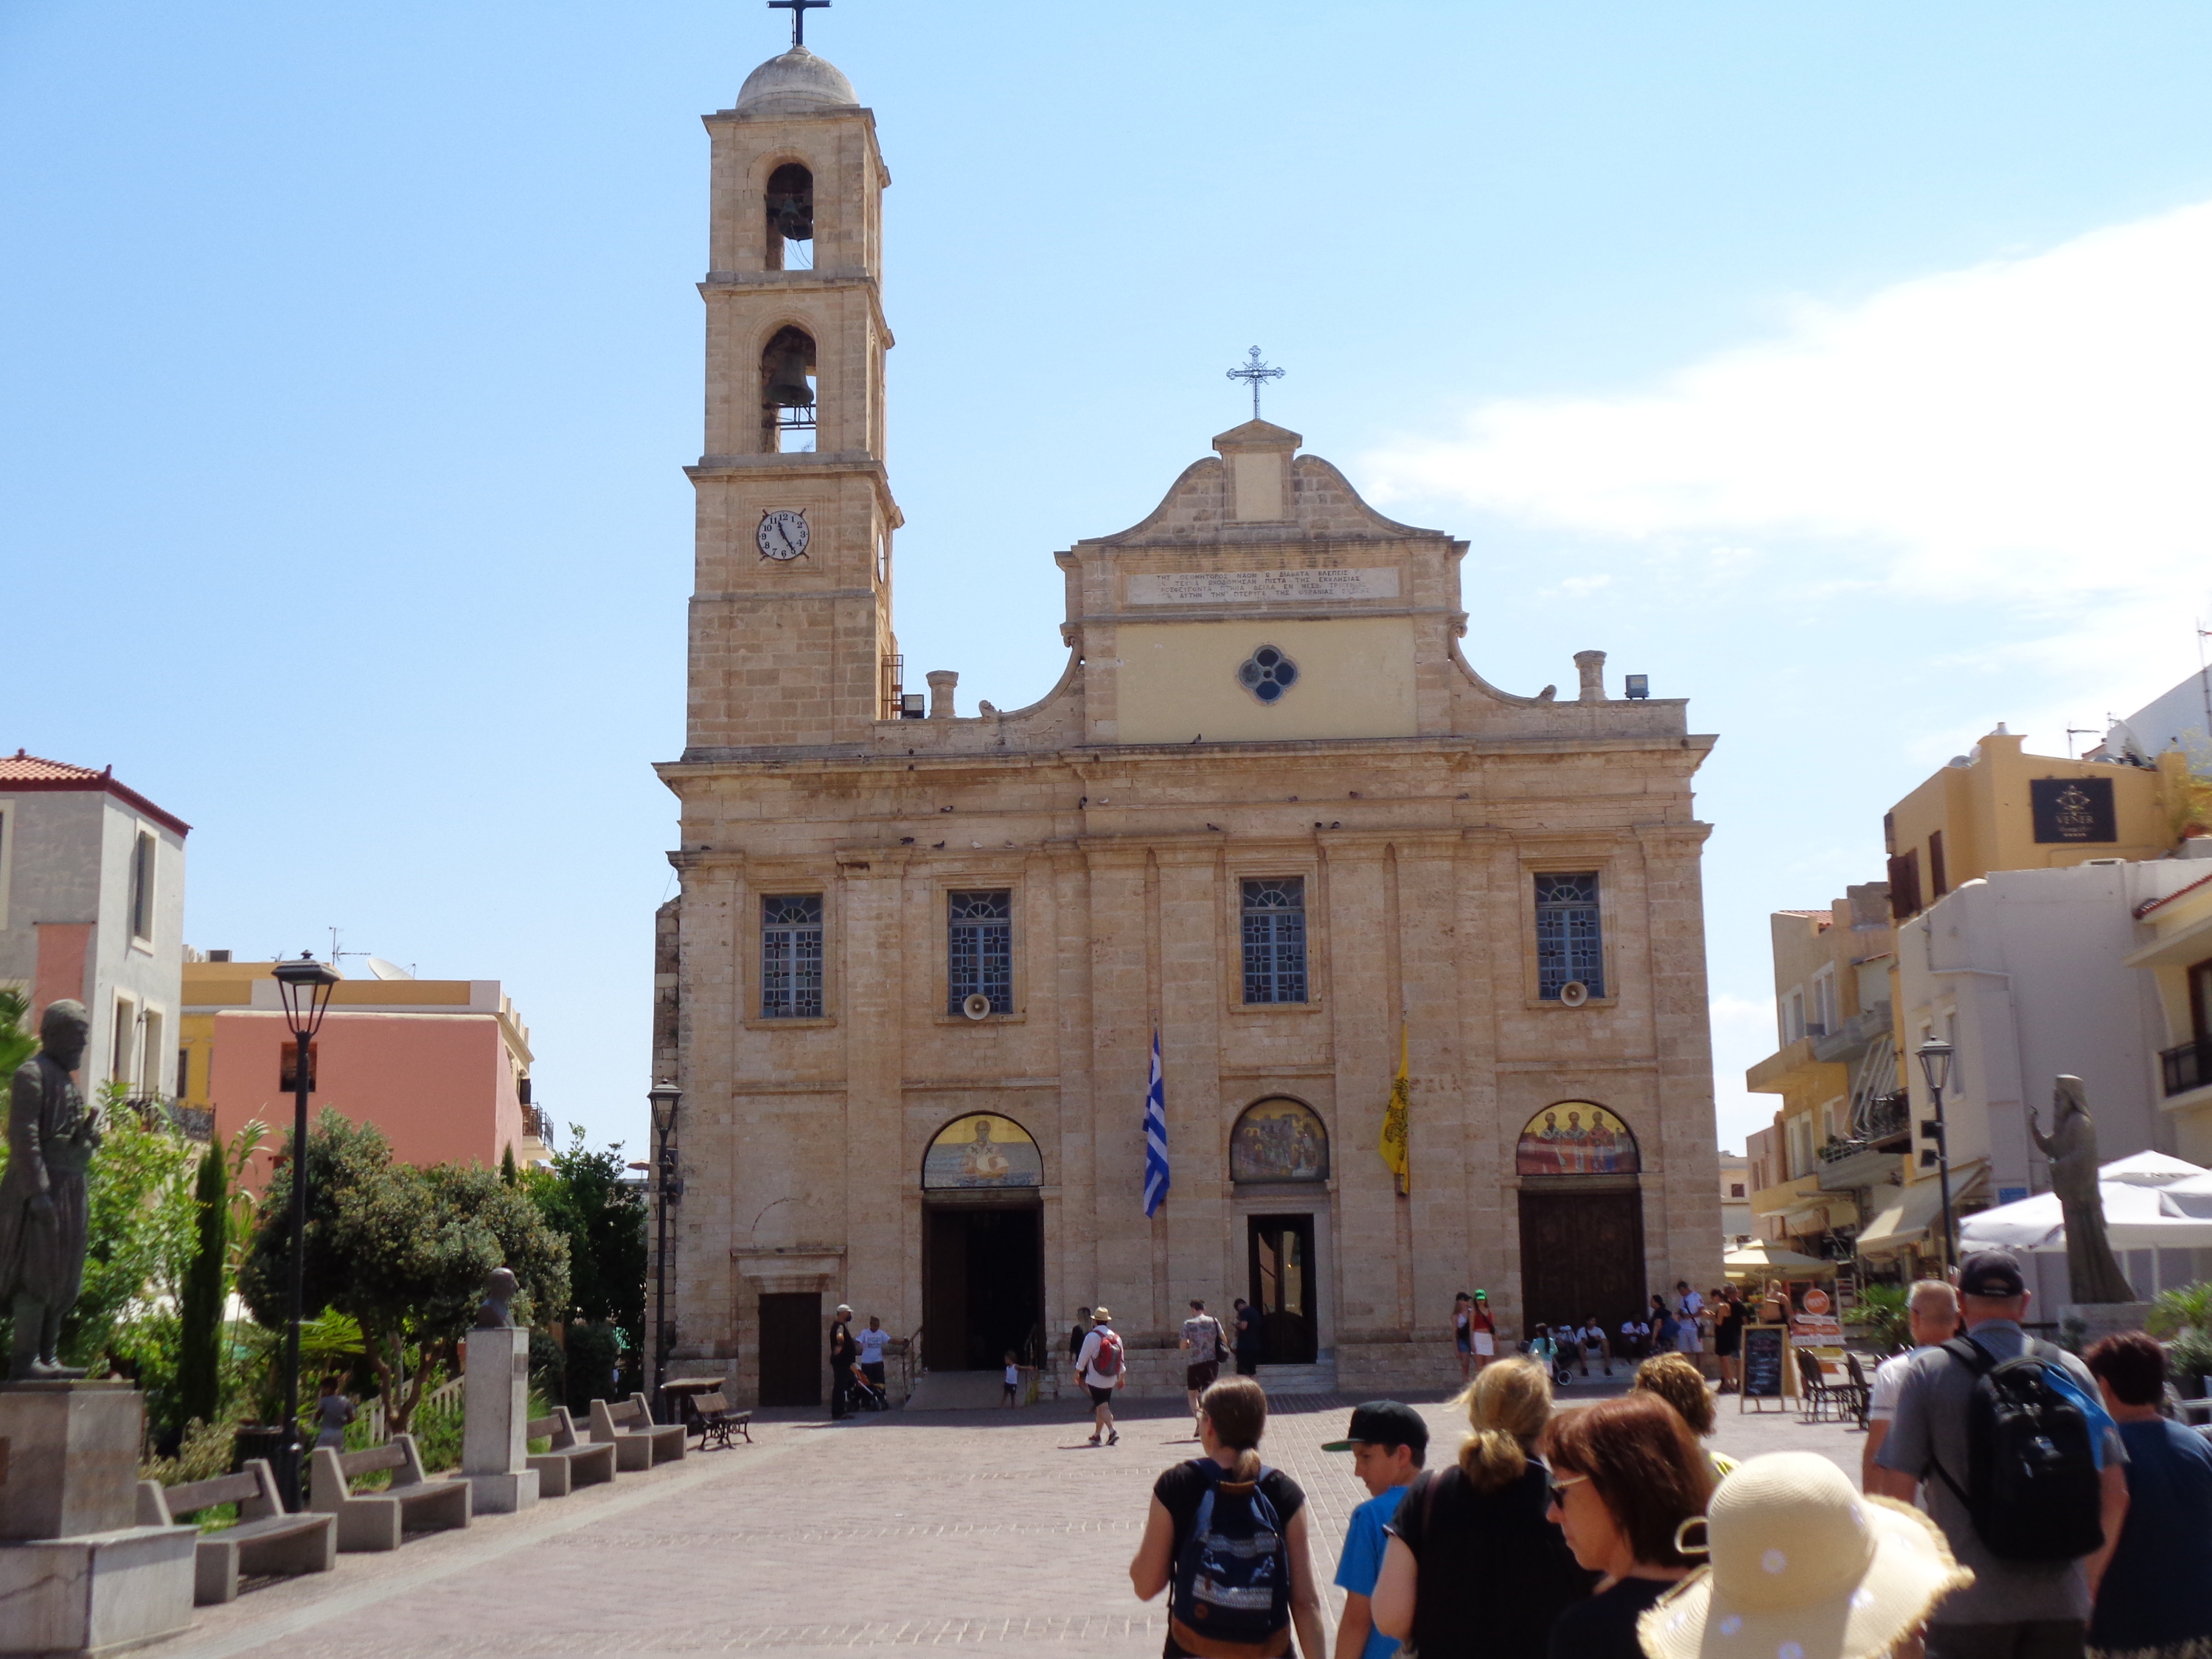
column 1569, row 949
column 1275, row 939
column 980, row 960
column 791, row 956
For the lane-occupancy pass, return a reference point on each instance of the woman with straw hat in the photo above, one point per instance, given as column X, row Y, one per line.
column 1803, row 1567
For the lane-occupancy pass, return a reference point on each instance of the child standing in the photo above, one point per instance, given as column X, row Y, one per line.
column 1012, row 1390
column 1388, row 1443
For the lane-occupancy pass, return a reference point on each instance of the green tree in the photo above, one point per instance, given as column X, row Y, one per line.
column 585, row 1197
column 402, row 1251
column 199, row 1360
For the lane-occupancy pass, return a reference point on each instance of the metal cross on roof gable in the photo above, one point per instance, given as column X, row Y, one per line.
column 798, row 9
column 1257, row 374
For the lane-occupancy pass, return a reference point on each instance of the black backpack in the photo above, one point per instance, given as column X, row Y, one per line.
column 2032, row 1487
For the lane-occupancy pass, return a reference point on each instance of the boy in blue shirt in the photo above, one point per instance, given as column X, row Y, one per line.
column 1389, row 1442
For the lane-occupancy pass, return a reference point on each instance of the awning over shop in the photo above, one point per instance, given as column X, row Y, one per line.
column 1906, row 1221
column 1761, row 1258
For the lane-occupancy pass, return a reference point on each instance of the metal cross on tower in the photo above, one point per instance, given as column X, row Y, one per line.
column 798, row 9
column 1257, row 374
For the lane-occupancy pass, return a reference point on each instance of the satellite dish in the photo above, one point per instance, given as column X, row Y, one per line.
column 975, row 1005
column 1574, row 993
column 384, row 970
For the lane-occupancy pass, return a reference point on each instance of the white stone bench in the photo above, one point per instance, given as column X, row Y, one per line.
column 265, row 1542
column 378, row 1520
column 571, row 1463
column 639, row 1441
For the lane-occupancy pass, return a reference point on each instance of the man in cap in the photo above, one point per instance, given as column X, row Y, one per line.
column 1388, row 1443
column 2014, row 1608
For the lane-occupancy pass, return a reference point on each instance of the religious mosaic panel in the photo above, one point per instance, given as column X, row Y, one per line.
column 1278, row 1140
column 981, row 1151
column 1576, row 1138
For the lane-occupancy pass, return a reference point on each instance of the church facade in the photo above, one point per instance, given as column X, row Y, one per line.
column 1270, row 817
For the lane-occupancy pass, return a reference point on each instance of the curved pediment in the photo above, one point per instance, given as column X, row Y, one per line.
column 1259, row 489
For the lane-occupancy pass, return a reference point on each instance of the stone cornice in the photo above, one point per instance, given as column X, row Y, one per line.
column 847, row 757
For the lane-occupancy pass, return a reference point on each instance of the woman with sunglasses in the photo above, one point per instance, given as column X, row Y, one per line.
column 1473, row 1570
column 1626, row 1474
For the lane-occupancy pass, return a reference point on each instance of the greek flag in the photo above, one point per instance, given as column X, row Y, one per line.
column 1156, row 1137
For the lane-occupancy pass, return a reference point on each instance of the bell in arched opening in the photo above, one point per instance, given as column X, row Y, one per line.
column 787, row 389
column 790, row 218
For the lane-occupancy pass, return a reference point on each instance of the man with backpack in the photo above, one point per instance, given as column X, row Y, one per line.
column 2021, row 1468
column 1103, row 1367
column 1203, row 1341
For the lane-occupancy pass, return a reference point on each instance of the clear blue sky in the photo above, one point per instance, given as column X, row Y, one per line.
column 1841, row 369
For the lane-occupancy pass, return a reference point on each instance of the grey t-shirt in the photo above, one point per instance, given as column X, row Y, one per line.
column 1930, row 1428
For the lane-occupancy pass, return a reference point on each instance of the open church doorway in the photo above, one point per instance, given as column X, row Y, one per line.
column 1282, row 1248
column 982, row 1245
column 982, row 1277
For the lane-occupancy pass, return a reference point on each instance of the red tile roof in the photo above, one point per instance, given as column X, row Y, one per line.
column 20, row 766
column 25, row 774
column 2142, row 910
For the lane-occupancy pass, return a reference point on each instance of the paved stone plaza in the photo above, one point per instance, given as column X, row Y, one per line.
column 945, row 1528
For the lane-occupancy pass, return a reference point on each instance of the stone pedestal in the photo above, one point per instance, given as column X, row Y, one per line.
column 77, row 1576
column 495, row 1429
column 2103, row 1319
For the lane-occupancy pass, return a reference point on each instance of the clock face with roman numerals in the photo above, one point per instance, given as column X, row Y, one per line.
column 782, row 535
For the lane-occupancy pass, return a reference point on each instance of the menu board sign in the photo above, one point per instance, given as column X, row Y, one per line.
column 1762, row 1363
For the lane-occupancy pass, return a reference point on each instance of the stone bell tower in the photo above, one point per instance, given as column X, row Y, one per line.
column 790, row 634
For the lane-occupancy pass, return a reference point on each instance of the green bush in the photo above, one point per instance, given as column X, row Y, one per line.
column 593, row 1354
column 437, row 1434
column 2189, row 1357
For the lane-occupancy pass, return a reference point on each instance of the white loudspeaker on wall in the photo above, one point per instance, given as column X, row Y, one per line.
column 975, row 1005
column 1574, row 993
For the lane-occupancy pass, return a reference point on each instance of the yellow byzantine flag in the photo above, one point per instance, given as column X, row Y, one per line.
column 1396, row 1129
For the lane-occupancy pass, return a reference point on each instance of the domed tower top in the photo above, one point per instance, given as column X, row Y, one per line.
column 795, row 83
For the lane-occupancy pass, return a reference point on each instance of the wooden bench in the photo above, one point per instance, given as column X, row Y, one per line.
column 571, row 1463
column 266, row 1541
column 639, row 1441
column 717, row 1420
column 378, row 1520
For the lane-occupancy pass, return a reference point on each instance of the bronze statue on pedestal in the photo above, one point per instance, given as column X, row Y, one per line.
column 44, row 1213
column 2092, row 1269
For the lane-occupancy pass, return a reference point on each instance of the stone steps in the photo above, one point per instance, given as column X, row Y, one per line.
column 1319, row 1377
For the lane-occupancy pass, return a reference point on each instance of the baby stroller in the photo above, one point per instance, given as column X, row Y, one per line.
column 1545, row 1350
column 864, row 1395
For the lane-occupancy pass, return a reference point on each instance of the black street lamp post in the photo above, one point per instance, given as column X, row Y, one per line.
column 1936, row 1066
column 666, row 1098
column 305, row 987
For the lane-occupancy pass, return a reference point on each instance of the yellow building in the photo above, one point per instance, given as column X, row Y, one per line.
column 1835, row 1147
column 2000, row 808
column 2178, row 957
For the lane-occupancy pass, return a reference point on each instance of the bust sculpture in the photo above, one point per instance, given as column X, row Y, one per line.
column 43, row 1208
column 2091, row 1267
column 499, row 1294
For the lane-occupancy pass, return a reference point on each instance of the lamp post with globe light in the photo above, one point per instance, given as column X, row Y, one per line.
column 305, row 987
column 1935, row 1056
column 668, row 1185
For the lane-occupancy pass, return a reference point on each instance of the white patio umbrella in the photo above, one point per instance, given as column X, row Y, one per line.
column 2136, row 1218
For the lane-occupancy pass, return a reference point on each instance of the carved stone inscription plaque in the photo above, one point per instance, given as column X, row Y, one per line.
column 1250, row 586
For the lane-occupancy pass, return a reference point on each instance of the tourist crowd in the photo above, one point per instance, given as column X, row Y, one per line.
column 2021, row 1503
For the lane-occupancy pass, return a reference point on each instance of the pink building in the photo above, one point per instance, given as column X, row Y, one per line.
column 441, row 1067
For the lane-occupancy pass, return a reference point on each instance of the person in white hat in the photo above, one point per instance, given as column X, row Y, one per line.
column 1803, row 1567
